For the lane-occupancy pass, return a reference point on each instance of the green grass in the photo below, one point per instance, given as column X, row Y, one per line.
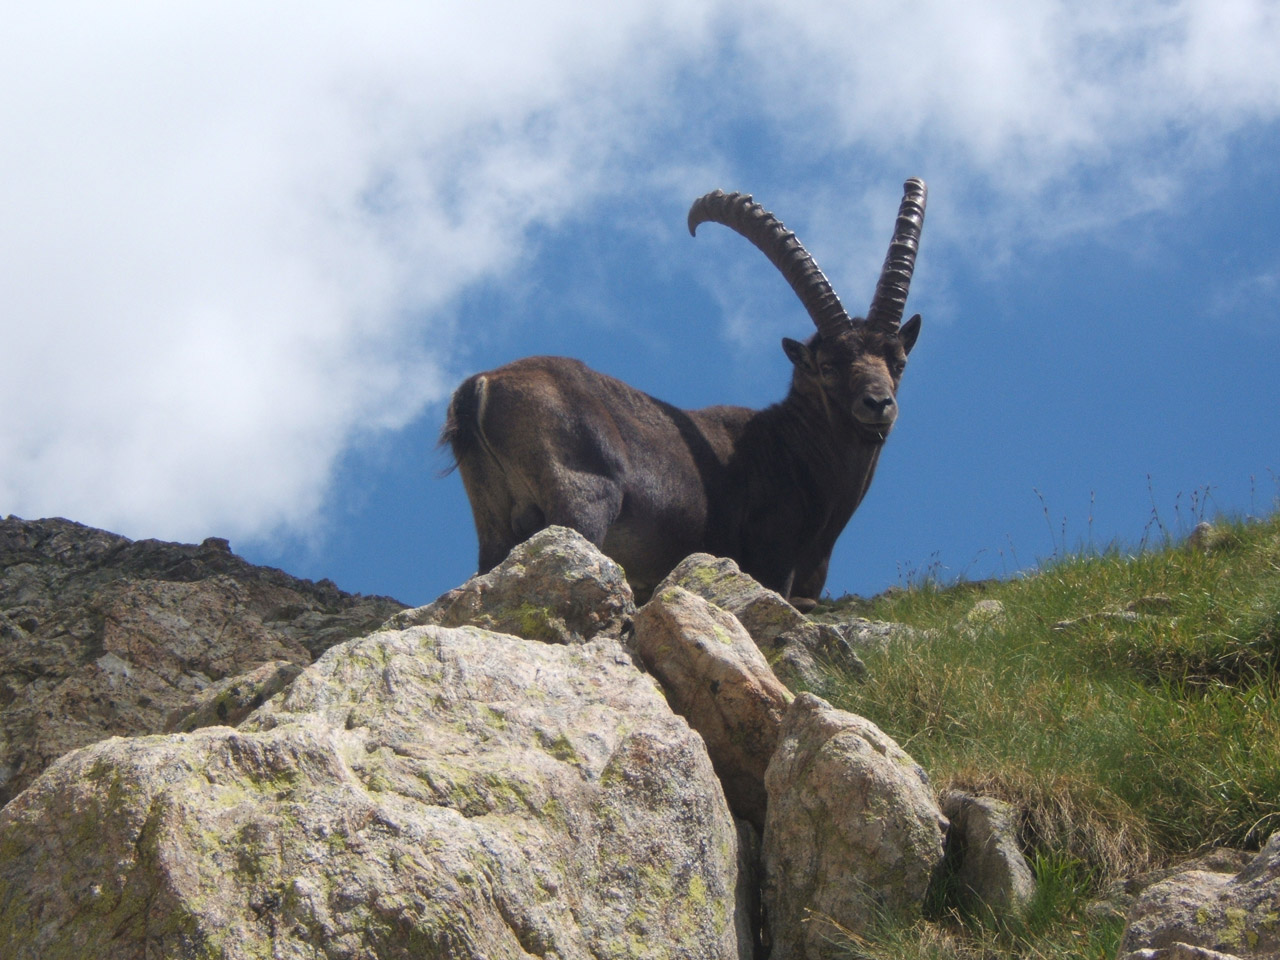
column 1144, row 731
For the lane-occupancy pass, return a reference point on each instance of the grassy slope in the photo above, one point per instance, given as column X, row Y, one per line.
column 1129, row 741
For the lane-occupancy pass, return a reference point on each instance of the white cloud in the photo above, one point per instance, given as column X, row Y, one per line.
column 1016, row 86
column 1250, row 301
column 1033, row 121
column 233, row 231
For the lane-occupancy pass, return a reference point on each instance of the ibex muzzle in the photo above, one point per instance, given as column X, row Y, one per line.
column 546, row 440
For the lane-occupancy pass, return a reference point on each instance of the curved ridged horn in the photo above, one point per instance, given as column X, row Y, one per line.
column 740, row 213
column 895, row 276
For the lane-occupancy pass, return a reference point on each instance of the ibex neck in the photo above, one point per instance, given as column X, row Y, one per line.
column 839, row 457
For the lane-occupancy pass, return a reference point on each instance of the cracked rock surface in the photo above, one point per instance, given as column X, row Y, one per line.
column 101, row 635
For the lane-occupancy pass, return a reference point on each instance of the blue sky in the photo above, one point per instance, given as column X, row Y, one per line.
column 248, row 252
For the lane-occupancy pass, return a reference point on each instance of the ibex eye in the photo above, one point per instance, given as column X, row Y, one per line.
column 828, row 370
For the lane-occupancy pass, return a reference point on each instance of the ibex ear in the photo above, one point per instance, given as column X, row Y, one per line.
column 908, row 333
column 798, row 353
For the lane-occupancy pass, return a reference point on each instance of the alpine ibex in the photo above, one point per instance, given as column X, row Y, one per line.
column 547, row 440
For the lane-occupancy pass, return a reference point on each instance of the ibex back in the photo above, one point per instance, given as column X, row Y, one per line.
column 547, row 440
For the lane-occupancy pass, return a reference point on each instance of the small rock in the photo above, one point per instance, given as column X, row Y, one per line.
column 983, row 854
column 1132, row 612
column 1119, row 897
column 555, row 587
column 1180, row 951
column 985, row 613
column 863, row 634
column 1201, row 537
column 789, row 640
column 1102, row 616
column 763, row 612
column 1236, row 914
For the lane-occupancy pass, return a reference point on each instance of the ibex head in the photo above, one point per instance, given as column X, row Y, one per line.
column 850, row 369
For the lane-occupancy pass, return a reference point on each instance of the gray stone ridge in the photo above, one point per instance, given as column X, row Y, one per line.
column 103, row 636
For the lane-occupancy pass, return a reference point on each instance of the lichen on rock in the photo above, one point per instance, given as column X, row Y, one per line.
column 101, row 635
column 852, row 831
column 555, row 587
column 407, row 796
column 1236, row 913
column 717, row 679
column 790, row 641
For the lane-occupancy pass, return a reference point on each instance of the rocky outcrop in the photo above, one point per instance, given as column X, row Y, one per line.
column 852, row 831
column 791, row 642
column 437, row 787
column 983, row 857
column 1237, row 914
column 717, row 679
column 101, row 635
column 428, row 792
column 555, row 587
